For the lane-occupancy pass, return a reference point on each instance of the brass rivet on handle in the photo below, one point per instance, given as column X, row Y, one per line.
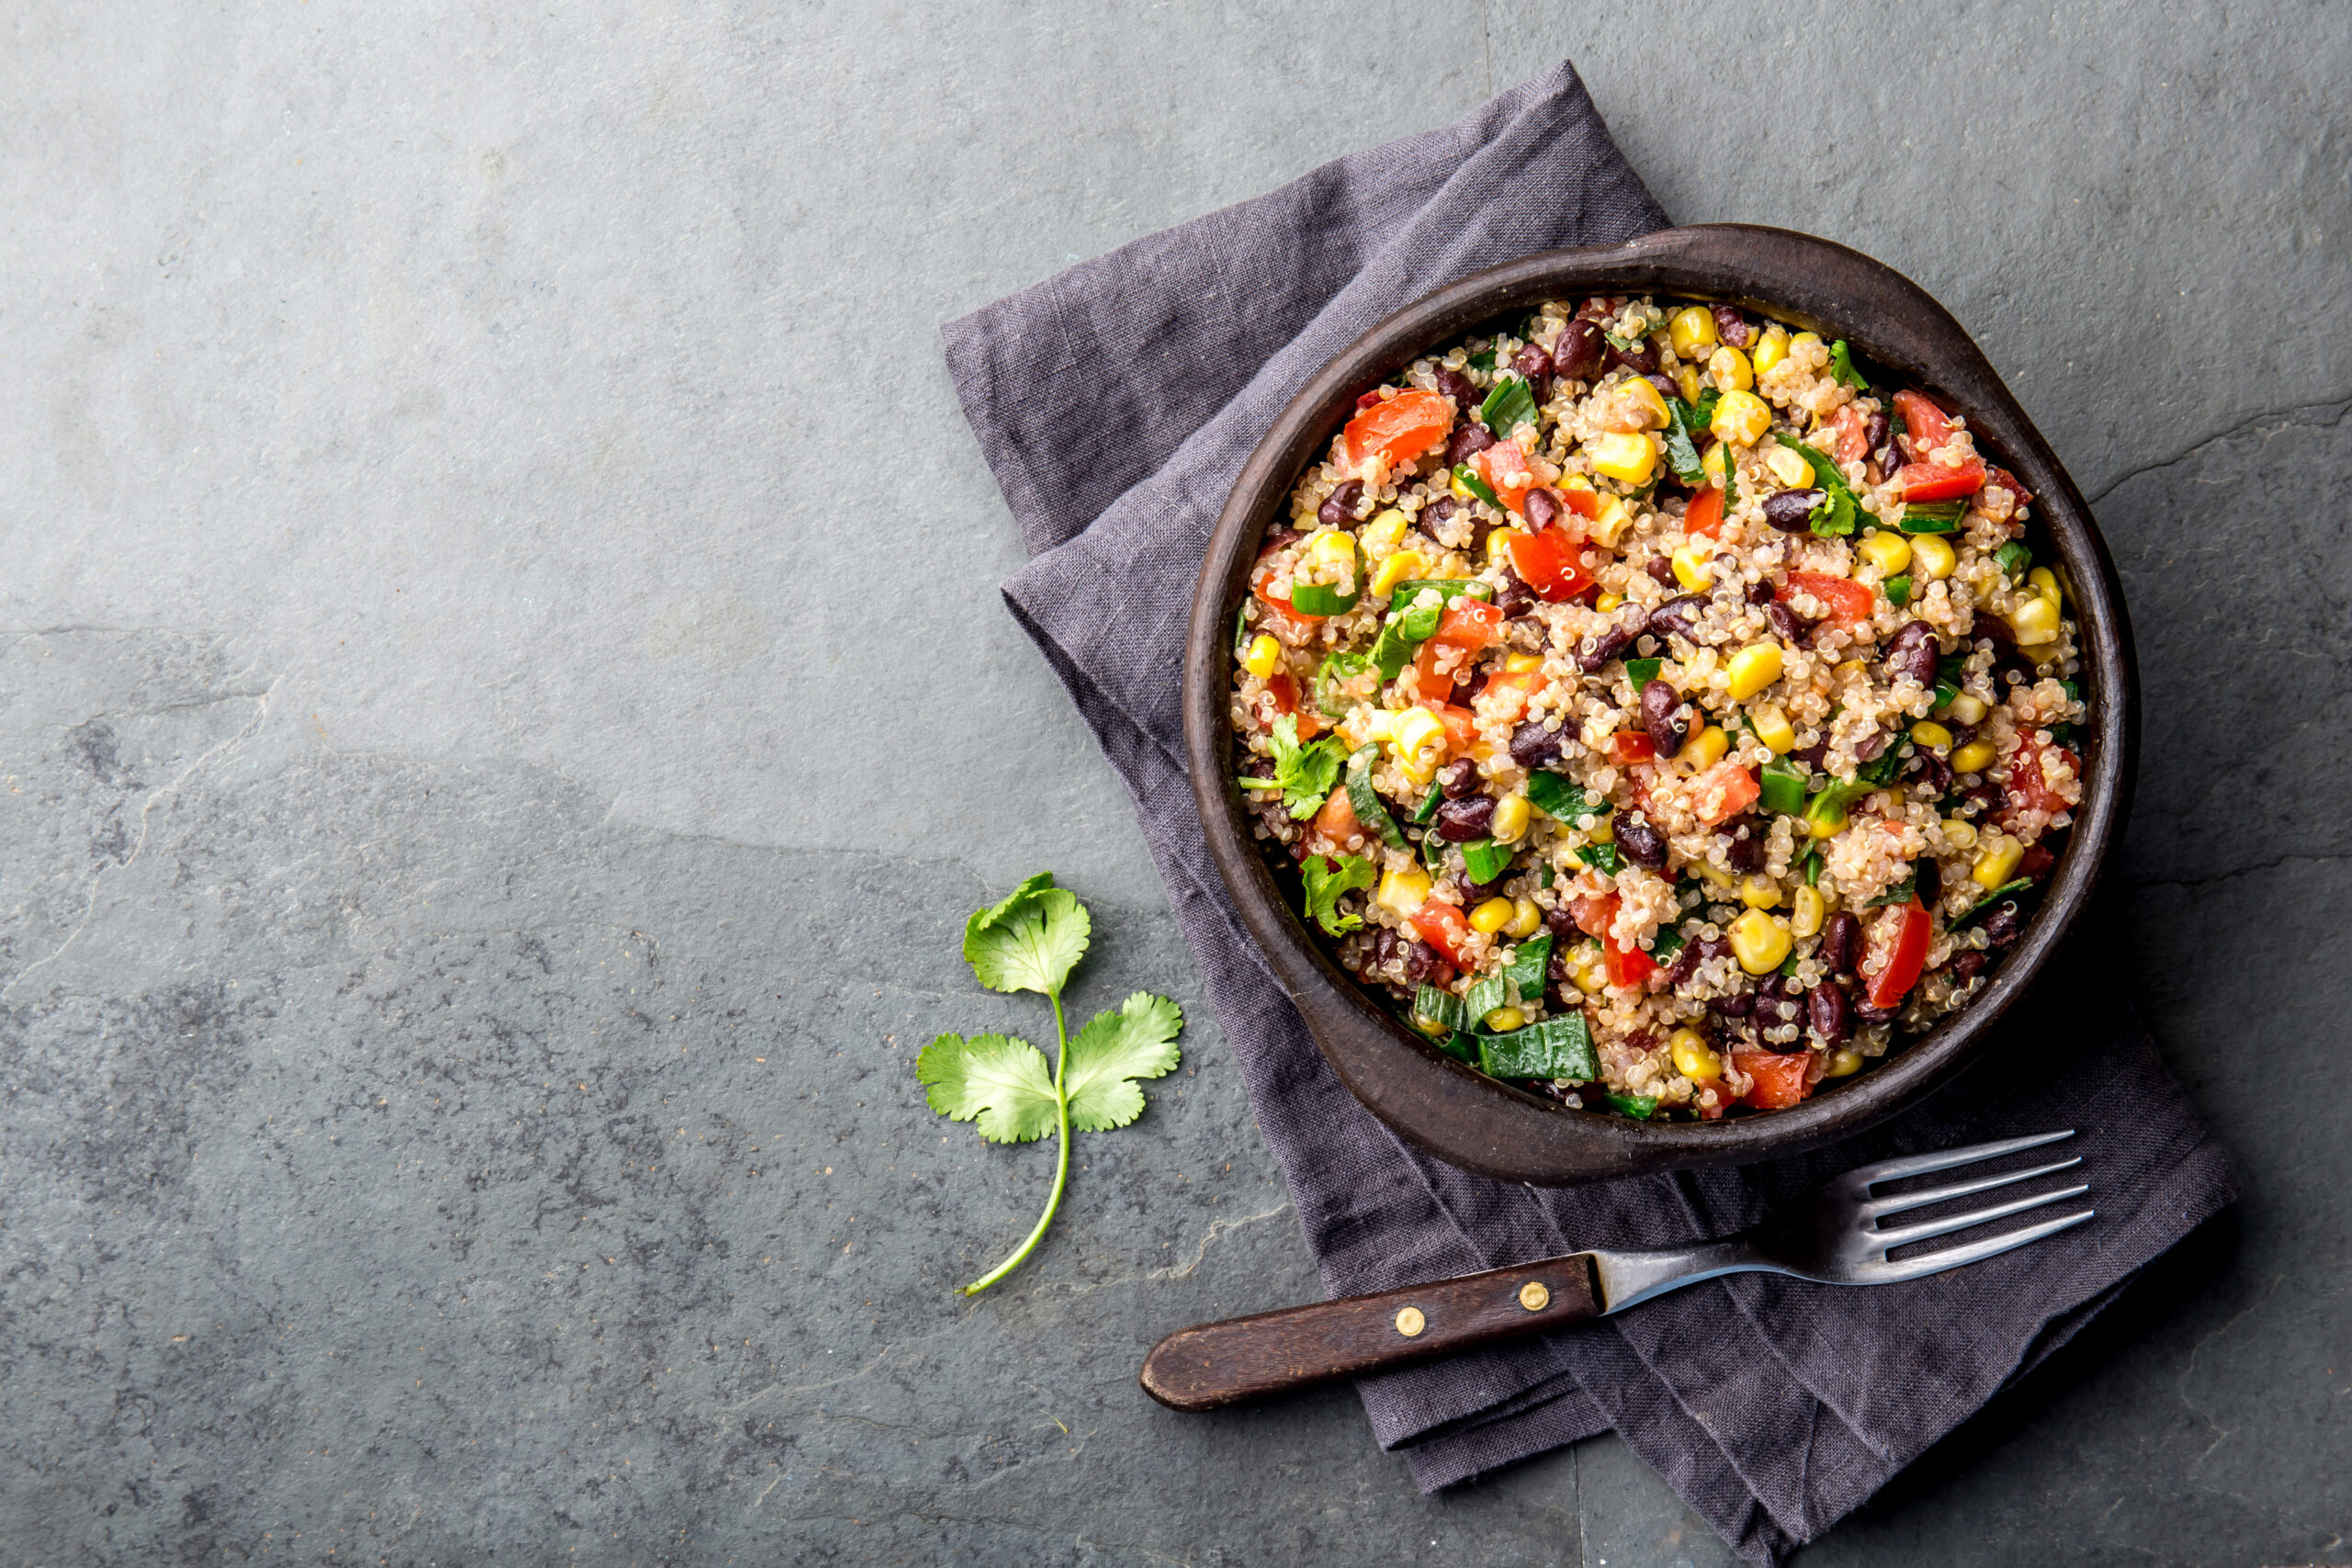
column 1411, row 1322
column 1534, row 1296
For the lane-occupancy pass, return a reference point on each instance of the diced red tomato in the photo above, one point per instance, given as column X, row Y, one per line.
column 2024, row 790
column 1282, row 687
column 1470, row 623
column 2011, row 482
column 1627, row 967
column 1724, row 791
column 1698, row 1101
column 1933, row 481
column 1849, row 439
column 1461, row 727
column 1928, row 425
column 1430, row 684
column 1582, row 499
column 1507, row 694
column 1284, row 621
column 1443, row 927
column 1369, row 401
column 1897, row 950
column 1629, row 746
column 1592, row 912
column 1705, row 514
column 1780, row 1077
column 1849, row 602
column 1507, row 472
column 1548, row 562
column 1335, row 823
column 1402, row 428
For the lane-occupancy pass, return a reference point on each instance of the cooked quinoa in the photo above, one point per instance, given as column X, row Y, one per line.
column 1662, row 715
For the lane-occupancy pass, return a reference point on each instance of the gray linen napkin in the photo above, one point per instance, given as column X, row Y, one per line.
column 1115, row 403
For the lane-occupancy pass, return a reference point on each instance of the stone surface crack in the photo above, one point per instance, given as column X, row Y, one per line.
column 2220, row 1434
column 2336, row 407
column 2234, row 873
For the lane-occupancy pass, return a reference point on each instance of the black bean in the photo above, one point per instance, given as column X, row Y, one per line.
column 1459, row 821
column 1532, row 746
column 1642, row 845
column 1791, row 511
column 1760, row 592
column 1468, row 437
column 1988, row 625
column 1966, row 966
column 1841, row 942
column 1872, row 747
column 1338, row 508
column 1666, row 386
column 1613, row 640
column 1641, row 358
column 2004, row 925
column 1661, row 570
column 1384, row 948
column 1928, row 880
column 1562, row 925
column 1731, row 326
column 1455, row 385
column 1679, row 616
column 1712, row 947
column 1832, row 1019
column 1516, row 599
column 1911, row 654
column 1543, row 508
column 1474, row 893
column 1599, row 308
column 1876, row 432
column 1686, row 964
column 1790, row 627
column 1661, row 705
column 1536, row 366
column 1746, row 851
column 1458, row 778
column 1865, row 1013
column 1738, row 1004
column 1577, row 353
column 1933, row 771
column 1424, row 963
column 1812, row 755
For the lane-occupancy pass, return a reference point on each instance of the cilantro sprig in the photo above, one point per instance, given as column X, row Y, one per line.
column 1030, row 942
column 1306, row 773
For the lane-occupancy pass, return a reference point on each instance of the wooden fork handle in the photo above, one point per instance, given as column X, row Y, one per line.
column 1211, row 1365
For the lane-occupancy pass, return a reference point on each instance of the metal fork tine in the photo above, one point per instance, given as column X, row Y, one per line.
column 1972, row 1252
column 1896, row 1205
column 1944, row 1159
column 1904, row 1234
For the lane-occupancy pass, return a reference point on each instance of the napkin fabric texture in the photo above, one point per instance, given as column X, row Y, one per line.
column 1115, row 403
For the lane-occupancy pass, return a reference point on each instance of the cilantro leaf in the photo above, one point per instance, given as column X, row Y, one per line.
column 996, row 1079
column 1103, row 1060
column 1509, row 406
column 1030, row 941
column 1303, row 774
column 1326, row 882
column 1688, row 423
column 1841, row 366
column 1840, row 507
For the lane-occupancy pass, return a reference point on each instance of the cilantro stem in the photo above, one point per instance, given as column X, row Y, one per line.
column 1061, row 1160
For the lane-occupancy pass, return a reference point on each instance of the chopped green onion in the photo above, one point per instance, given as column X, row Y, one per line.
column 1427, row 807
column 1369, row 809
column 1319, row 599
column 1485, row 859
column 1468, row 480
column 1941, row 518
column 1841, row 366
column 2014, row 559
column 1897, row 590
column 1557, row 1048
column 1509, row 406
column 1781, row 783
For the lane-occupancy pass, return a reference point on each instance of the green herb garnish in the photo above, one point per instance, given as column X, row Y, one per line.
column 1467, row 478
column 1841, row 366
column 1835, row 517
column 1326, row 880
column 1781, row 784
column 1686, row 423
column 1305, row 775
column 1897, row 590
column 2014, row 559
column 1983, row 906
column 1602, row 857
column 1509, row 406
column 1560, row 800
column 1030, row 942
column 1640, row 1107
column 1668, row 942
column 1483, row 360
column 1643, row 670
column 1485, row 859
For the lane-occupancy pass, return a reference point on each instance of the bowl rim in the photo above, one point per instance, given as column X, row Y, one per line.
column 1443, row 1106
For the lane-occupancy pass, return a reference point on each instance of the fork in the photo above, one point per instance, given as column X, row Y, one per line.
column 1833, row 1238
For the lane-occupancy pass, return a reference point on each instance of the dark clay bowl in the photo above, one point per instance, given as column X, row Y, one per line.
column 1484, row 1125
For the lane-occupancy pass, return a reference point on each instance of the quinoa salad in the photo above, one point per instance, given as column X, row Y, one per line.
column 1662, row 714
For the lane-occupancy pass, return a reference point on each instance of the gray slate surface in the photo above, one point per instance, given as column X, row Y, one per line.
column 483, row 840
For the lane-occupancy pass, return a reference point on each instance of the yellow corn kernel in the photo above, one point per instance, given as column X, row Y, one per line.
column 1602, row 830
column 1333, row 549
column 1502, row 1021
column 1844, row 1062
column 1930, row 734
column 1997, row 860
column 1932, row 558
column 1804, row 340
column 1694, row 565
column 1417, row 740
column 1704, row 749
column 1717, row 879
column 1730, row 370
column 1385, row 532
column 1972, row 758
column 2045, row 582
column 1265, row 656
column 1687, row 379
column 1399, row 566
column 1615, row 516
column 1453, row 564
column 1854, row 669
column 2035, row 621
column 1520, row 664
column 1773, row 728
column 1510, row 824
column 1830, row 825
column 1741, row 418
column 1759, row 893
column 1592, row 976
column 1965, row 708
column 1960, row 832
column 1436, row 1029
column 1760, row 942
column 1752, row 669
column 1770, row 348
column 1637, row 405
column 1526, row 917
column 1402, row 892
column 1716, row 461
column 1461, row 491
column 1789, row 469
column 1888, row 552
column 1499, row 546
column 1608, row 602
column 1491, row 916
column 1805, row 911
column 1692, row 1056
column 1627, row 457
column 1692, row 331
